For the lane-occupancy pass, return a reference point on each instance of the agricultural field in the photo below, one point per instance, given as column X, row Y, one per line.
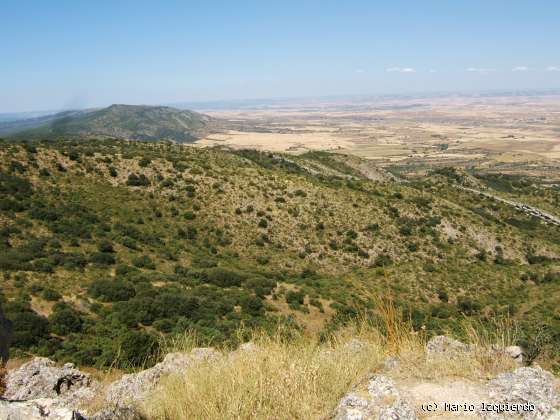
column 509, row 133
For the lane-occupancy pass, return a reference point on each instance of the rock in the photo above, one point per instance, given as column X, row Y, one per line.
column 391, row 362
column 135, row 386
column 44, row 408
column 355, row 345
column 250, row 346
column 384, row 402
column 118, row 413
column 399, row 410
column 525, row 385
column 40, row 378
column 516, row 353
column 442, row 344
column 353, row 407
column 381, row 387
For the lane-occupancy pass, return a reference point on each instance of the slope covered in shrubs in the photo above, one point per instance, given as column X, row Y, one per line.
column 107, row 246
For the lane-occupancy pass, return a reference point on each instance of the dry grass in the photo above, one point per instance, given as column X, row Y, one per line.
column 278, row 379
column 302, row 378
column 483, row 361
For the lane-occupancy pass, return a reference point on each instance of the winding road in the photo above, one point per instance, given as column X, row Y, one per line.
column 525, row 208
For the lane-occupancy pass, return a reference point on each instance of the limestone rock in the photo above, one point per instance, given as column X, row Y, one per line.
column 399, row 410
column 117, row 413
column 135, row 386
column 40, row 378
column 441, row 344
column 355, row 345
column 391, row 362
column 249, row 346
column 384, row 401
column 525, row 385
column 516, row 353
column 353, row 407
column 40, row 409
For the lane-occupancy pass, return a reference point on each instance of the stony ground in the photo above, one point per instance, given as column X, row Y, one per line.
column 39, row 389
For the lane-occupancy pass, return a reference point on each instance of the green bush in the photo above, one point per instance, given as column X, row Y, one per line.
column 137, row 180
column 28, row 327
column 224, row 278
column 102, row 258
column 111, row 290
column 143, row 261
column 105, row 246
column 51, row 295
column 137, row 348
column 65, row 320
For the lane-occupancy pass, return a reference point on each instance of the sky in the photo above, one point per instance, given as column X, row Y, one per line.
column 73, row 54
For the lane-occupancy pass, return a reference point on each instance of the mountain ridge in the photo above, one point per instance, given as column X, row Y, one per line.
column 132, row 122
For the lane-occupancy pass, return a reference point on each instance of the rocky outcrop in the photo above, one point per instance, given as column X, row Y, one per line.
column 44, row 408
column 41, row 390
column 118, row 413
column 135, row 386
column 40, row 378
column 443, row 345
column 529, row 387
column 381, row 401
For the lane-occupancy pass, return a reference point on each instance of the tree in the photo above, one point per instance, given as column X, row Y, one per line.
column 65, row 320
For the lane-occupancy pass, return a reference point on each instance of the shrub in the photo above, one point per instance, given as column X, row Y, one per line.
column 468, row 306
column 295, row 297
column 143, row 261
column 189, row 215
column 51, row 295
column 137, row 180
column 28, row 327
column 110, row 290
column 105, row 246
column 65, row 320
column 263, row 223
column 253, row 306
column 383, row 260
column 136, row 348
column 224, row 278
column 102, row 258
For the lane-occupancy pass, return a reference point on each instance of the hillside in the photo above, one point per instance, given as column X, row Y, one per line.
column 107, row 246
column 132, row 122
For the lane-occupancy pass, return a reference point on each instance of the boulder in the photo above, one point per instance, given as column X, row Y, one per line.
column 40, row 378
column 525, row 385
column 516, row 353
column 40, row 409
column 355, row 345
column 135, row 386
column 442, row 344
column 247, row 347
column 384, row 401
column 118, row 413
column 353, row 407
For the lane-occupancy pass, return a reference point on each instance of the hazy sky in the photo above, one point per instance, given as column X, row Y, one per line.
column 63, row 54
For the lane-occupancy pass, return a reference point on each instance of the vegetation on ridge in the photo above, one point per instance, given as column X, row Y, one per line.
column 135, row 122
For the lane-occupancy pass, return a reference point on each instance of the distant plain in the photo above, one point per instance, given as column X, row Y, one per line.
column 509, row 133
